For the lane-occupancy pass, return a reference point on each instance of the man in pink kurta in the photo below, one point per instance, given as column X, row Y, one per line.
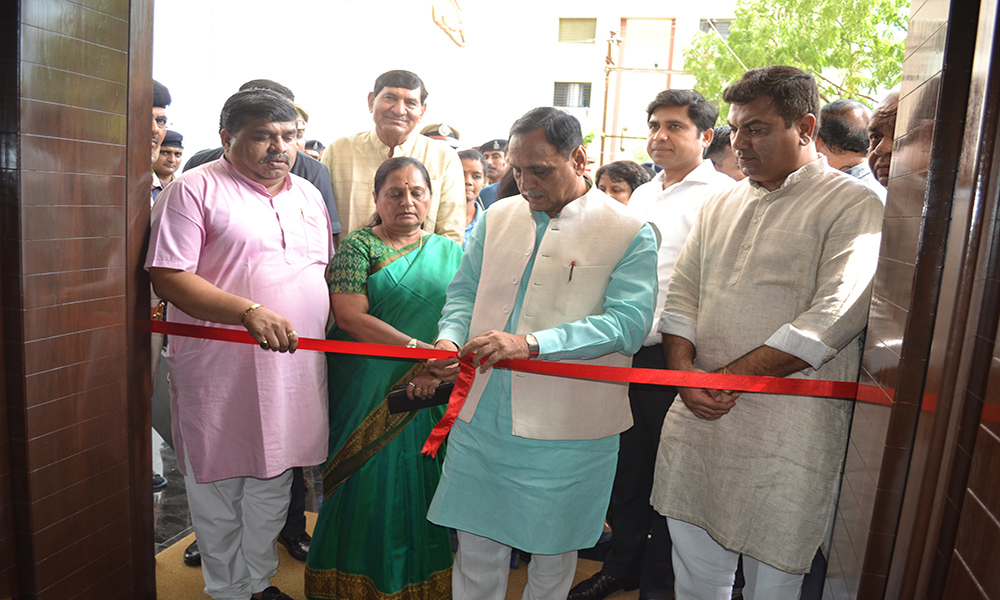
column 243, row 244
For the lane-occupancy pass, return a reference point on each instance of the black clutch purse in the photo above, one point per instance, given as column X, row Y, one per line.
column 399, row 402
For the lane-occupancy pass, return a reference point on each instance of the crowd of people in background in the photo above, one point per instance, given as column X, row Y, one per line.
column 745, row 248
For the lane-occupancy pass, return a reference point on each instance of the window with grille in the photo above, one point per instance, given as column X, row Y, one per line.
column 580, row 31
column 721, row 24
column 571, row 95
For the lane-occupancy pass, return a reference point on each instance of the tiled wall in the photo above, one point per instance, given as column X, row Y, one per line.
column 9, row 290
column 67, row 266
column 894, row 423
column 966, row 552
column 973, row 571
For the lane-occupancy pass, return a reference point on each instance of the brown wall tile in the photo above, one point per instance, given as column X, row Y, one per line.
column 978, row 544
column 81, row 524
column 49, row 417
column 882, row 364
column 69, row 122
column 43, row 153
column 77, row 560
column 50, row 385
column 961, row 585
column 906, row 196
column 65, row 287
column 72, row 498
column 900, row 240
column 911, row 153
column 39, row 82
column 65, row 222
column 49, row 448
column 52, row 353
column 73, row 54
column 109, row 576
column 72, row 255
column 984, row 483
column 923, row 65
column 70, row 189
column 886, row 321
column 115, row 8
column 69, row 318
column 77, row 21
column 68, row 481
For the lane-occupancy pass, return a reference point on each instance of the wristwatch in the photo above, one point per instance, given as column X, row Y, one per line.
column 532, row 346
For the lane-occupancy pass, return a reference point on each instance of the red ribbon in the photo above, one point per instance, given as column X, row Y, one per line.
column 240, row 336
column 466, row 375
column 467, row 371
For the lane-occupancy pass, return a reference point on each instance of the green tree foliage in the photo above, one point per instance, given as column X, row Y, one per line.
column 853, row 48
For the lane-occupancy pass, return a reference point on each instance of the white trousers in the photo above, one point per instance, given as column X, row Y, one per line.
column 704, row 570
column 236, row 522
column 482, row 566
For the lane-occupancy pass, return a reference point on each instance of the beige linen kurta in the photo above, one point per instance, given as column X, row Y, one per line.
column 790, row 269
column 353, row 160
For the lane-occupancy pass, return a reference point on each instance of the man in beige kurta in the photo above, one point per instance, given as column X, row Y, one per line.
column 774, row 280
column 397, row 103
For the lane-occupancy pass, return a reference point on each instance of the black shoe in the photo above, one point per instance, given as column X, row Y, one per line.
column 192, row 556
column 298, row 546
column 599, row 586
column 273, row 593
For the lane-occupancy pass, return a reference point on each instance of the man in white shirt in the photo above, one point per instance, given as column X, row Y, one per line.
column 680, row 128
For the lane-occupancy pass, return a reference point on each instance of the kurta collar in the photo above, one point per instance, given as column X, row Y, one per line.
column 257, row 187
column 805, row 172
column 404, row 149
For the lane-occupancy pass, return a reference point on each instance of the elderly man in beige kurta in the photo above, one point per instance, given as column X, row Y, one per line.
column 773, row 280
column 397, row 104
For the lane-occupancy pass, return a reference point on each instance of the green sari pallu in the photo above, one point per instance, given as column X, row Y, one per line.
column 372, row 539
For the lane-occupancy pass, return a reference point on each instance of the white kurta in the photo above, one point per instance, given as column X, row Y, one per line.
column 790, row 269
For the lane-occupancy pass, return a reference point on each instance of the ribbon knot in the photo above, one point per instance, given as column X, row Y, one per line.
column 466, row 375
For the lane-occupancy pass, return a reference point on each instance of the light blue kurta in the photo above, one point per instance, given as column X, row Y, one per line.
column 541, row 496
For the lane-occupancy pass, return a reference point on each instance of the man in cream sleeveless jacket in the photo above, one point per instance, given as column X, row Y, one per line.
column 561, row 272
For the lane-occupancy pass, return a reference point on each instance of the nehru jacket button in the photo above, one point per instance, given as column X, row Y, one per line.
column 506, row 309
column 513, row 279
column 746, row 246
column 755, row 220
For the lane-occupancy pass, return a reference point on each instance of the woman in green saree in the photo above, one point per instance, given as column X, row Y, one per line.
column 387, row 286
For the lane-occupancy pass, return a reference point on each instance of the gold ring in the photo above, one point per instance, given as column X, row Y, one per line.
column 263, row 344
column 292, row 334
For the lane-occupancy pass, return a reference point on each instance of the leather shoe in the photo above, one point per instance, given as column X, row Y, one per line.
column 273, row 593
column 192, row 556
column 298, row 546
column 599, row 586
